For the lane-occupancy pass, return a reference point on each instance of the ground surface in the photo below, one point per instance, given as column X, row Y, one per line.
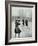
column 26, row 31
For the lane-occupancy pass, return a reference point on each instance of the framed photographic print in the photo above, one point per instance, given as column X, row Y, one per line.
column 21, row 22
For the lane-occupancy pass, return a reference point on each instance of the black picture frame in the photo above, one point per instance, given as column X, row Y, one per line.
column 6, row 31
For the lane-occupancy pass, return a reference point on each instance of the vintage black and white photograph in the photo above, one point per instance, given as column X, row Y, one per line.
column 21, row 22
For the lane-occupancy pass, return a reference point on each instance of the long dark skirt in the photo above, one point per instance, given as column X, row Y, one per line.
column 17, row 30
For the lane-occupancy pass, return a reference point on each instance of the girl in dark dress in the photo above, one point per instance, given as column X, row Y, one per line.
column 17, row 29
column 26, row 21
column 23, row 21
